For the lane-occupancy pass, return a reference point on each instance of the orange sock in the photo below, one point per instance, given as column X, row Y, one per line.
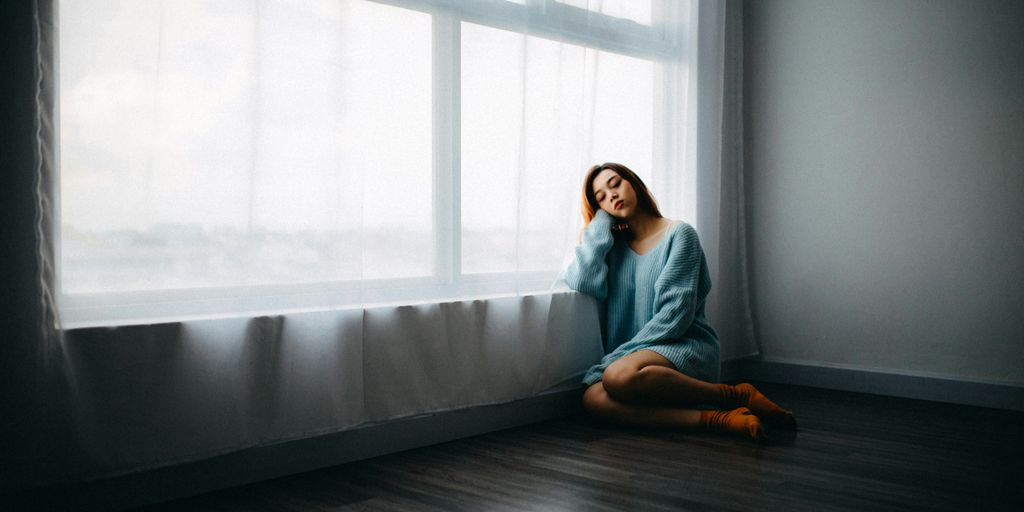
column 745, row 395
column 740, row 422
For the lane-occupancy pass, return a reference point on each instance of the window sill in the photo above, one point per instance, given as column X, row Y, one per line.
column 172, row 306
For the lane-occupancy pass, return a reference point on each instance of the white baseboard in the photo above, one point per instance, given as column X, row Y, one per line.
column 862, row 380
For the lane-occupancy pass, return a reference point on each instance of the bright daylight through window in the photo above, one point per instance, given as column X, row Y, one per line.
column 253, row 155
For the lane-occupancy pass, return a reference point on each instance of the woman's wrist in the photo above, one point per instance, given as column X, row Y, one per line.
column 602, row 220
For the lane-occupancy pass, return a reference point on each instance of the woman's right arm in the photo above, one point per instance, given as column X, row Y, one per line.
column 588, row 272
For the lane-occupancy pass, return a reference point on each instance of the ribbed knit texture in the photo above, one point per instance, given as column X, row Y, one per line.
column 654, row 301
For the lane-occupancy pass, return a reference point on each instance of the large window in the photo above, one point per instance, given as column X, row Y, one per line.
column 262, row 155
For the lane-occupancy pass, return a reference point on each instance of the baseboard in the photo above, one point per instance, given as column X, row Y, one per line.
column 921, row 387
column 274, row 461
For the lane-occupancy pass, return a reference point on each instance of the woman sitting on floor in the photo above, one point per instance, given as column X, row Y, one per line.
column 661, row 360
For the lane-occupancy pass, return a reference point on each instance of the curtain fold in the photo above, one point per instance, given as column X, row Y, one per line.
column 152, row 395
column 717, row 156
column 46, row 171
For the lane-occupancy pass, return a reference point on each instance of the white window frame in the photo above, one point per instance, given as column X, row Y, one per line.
column 540, row 18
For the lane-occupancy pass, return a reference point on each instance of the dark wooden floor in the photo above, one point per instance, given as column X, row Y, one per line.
column 853, row 452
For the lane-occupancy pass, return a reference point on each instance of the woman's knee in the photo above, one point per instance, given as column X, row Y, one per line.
column 620, row 380
column 595, row 398
column 625, row 379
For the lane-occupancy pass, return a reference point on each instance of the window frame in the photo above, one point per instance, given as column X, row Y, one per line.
column 547, row 19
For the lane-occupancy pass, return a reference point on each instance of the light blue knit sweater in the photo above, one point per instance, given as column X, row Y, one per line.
column 654, row 301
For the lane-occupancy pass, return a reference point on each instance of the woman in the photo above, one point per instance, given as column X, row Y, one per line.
column 661, row 359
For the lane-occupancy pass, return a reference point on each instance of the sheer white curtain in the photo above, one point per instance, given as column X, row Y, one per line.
column 263, row 156
column 275, row 219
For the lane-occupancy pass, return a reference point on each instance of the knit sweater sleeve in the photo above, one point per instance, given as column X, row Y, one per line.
column 588, row 272
column 675, row 291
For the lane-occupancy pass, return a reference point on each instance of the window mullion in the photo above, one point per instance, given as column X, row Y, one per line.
column 446, row 147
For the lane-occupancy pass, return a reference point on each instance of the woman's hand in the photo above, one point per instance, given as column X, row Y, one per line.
column 617, row 224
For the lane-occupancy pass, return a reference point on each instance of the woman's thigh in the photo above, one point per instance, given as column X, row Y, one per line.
column 620, row 377
column 638, row 360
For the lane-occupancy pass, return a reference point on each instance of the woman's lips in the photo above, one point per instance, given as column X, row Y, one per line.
column 619, row 204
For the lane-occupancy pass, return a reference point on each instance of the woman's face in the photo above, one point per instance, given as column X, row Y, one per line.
column 614, row 194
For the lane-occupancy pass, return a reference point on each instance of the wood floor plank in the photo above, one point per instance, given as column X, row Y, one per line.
column 853, row 452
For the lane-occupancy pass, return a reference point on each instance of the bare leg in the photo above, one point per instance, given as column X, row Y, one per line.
column 740, row 421
column 646, row 377
column 597, row 401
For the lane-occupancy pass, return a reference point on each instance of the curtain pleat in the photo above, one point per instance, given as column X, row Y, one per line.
column 154, row 395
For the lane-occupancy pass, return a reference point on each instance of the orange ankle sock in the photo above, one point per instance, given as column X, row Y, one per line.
column 745, row 395
column 739, row 422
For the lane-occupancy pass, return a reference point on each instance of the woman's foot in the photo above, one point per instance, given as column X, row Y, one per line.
column 746, row 395
column 741, row 422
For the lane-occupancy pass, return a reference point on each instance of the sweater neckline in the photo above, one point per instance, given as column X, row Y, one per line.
column 665, row 234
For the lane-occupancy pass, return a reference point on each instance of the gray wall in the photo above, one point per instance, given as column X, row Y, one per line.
column 885, row 160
